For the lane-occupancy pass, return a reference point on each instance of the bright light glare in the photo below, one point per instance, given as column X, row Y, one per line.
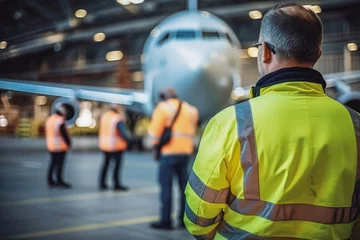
column 136, row 1
column 114, row 56
column 3, row 121
column 205, row 14
column 80, row 13
column 255, row 14
column 253, row 52
column 93, row 124
column 99, row 37
column 314, row 8
column 3, row 44
column 352, row 47
column 124, row 2
column 41, row 100
column 155, row 32
column 237, row 93
column 137, row 76
column 85, row 118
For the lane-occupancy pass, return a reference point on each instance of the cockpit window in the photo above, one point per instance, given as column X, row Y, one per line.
column 229, row 39
column 164, row 38
column 185, row 34
column 210, row 35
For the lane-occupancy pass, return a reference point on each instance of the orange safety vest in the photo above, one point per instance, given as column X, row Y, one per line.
column 109, row 137
column 183, row 130
column 54, row 141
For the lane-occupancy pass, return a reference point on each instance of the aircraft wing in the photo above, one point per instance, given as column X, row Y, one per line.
column 129, row 98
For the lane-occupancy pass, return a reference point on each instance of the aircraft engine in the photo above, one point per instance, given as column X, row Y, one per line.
column 72, row 108
column 351, row 99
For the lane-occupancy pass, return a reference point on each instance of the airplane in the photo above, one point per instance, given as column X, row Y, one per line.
column 192, row 51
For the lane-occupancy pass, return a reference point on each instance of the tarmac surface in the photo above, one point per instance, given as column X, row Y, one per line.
column 29, row 209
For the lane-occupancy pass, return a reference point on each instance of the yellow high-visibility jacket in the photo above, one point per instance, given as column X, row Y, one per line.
column 283, row 165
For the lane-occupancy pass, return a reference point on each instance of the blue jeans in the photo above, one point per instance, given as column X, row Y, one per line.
column 171, row 165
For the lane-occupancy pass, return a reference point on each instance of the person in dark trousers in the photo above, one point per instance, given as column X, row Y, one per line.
column 58, row 143
column 181, row 118
column 113, row 141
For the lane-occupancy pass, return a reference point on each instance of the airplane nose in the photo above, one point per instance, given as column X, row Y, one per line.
column 208, row 81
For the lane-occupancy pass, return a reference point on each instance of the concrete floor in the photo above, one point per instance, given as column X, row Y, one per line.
column 29, row 209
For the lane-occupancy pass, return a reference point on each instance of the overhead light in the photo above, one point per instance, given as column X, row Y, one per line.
column 3, row 121
column 352, row 47
column 314, row 8
column 253, row 52
column 255, row 14
column 114, row 56
column 124, row 2
column 3, row 44
column 40, row 100
column 137, row 76
column 99, row 37
column 136, row 1
column 80, row 13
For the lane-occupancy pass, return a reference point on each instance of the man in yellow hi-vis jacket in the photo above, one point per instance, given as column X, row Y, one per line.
column 285, row 164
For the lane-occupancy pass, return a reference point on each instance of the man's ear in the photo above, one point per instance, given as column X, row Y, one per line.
column 266, row 53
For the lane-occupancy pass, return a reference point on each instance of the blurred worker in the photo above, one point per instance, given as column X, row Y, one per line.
column 113, row 141
column 58, row 143
column 285, row 164
column 174, row 155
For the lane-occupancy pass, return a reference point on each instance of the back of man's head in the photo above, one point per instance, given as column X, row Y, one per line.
column 114, row 107
column 295, row 32
column 167, row 93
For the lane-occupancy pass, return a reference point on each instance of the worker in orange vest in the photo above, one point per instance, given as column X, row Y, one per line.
column 180, row 119
column 113, row 141
column 58, row 143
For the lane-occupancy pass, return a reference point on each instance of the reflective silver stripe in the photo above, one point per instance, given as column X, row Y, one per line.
column 177, row 134
column 248, row 156
column 208, row 236
column 206, row 193
column 301, row 212
column 201, row 221
column 232, row 233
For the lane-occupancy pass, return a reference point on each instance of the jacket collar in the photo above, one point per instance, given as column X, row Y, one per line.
column 292, row 74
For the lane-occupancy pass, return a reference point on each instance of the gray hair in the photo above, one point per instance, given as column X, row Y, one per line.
column 296, row 32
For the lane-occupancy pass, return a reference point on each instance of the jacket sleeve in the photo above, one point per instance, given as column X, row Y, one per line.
column 157, row 125
column 122, row 131
column 65, row 135
column 208, row 188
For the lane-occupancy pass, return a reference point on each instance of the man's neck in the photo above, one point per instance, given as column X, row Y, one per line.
column 289, row 64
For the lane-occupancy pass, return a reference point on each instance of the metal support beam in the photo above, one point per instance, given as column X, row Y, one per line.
column 40, row 11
